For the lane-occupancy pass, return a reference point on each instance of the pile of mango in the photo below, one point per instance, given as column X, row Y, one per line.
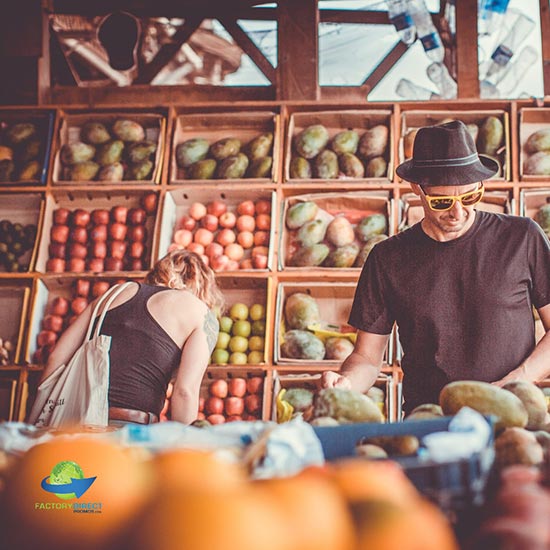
column 302, row 315
column 227, row 158
column 316, row 242
column 537, row 151
column 488, row 136
column 347, row 154
column 109, row 153
column 542, row 217
column 21, row 150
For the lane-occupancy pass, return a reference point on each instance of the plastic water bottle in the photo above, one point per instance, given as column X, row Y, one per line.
column 506, row 49
column 439, row 75
column 426, row 31
column 409, row 90
column 401, row 20
column 450, row 16
column 490, row 14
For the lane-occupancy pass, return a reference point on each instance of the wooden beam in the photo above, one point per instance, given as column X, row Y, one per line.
column 298, row 50
column 249, row 48
column 385, row 65
column 44, row 81
column 545, row 35
column 466, row 49
column 354, row 16
column 167, row 52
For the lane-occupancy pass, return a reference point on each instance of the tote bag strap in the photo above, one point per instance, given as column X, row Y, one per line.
column 106, row 299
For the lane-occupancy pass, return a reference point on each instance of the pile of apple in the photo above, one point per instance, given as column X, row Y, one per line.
column 241, row 339
column 227, row 238
column 100, row 240
column 61, row 312
column 233, row 399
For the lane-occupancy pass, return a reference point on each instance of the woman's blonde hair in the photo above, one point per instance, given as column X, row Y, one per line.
column 183, row 269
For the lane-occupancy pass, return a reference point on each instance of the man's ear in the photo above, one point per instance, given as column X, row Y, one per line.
column 416, row 189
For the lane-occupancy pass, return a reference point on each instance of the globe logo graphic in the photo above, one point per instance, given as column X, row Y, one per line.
column 67, row 481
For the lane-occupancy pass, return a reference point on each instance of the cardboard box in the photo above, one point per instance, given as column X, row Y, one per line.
column 310, row 381
column 89, row 201
column 244, row 126
column 334, row 301
column 415, row 119
column 177, row 204
column 531, row 119
column 336, row 122
column 24, row 208
column 411, row 211
column 154, row 125
column 250, row 291
column 14, row 303
column 44, row 121
column 214, row 373
column 354, row 206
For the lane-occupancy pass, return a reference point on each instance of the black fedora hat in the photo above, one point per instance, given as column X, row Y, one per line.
column 446, row 155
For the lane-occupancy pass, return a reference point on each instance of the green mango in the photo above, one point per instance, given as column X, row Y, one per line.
column 84, row 171
column 351, row 166
column 300, row 398
column 300, row 213
column 338, row 348
column 340, row 231
column 491, row 136
column 201, row 170
column 345, row 142
column 372, row 225
column 94, row 133
column 366, row 249
column 377, row 167
column 128, row 130
column 140, row 170
column 542, row 217
column 260, row 146
column 326, row 165
column 233, row 167
column 260, row 168
column 311, row 141
column 312, row 232
column 74, row 153
column 373, row 142
column 537, row 164
column 300, row 168
column 140, row 150
column 343, row 256
column 20, row 132
column 310, row 256
column 109, row 152
column 30, row 171
column 191, row 151
column 302, row 344
column 7, row 168
column 301, row 311
column 224, row 148
column 111, row 172
column 538, row 141
column 346, row 406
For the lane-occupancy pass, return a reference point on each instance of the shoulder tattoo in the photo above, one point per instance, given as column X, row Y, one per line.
column 210, row 328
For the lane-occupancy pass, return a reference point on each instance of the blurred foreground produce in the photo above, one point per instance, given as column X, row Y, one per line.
column 6, row 352
column 15, row 241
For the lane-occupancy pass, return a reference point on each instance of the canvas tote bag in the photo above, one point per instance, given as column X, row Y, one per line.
column 77, row 393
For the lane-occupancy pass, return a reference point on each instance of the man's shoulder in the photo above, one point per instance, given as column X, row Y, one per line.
column 504, row 221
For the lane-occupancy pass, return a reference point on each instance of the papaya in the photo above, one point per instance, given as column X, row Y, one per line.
column 373, row 142
column 311, row 141
column 128, row 130
column 338, row 348
column 300, row 398
column 226, row 147
column 260, row 146
column 491, row 136
column 370, row 226
column 302, row 344
column 351, row 166
column 340, row 231
column 312, row 232
column 300, row 213
column 377, row 167
column 301, row 310
column 326, row 165
column 345, row 142
column 191, row 151
column 533, row 400
column 310, row 256
column 300, row 168
column 538, row 141
column 343, row 256
column 94, row 133
column 345, row 406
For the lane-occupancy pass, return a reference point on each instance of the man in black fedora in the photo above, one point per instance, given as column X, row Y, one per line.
column 460, row 284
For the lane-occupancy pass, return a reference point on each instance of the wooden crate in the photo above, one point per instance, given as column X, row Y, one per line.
column 9, row 381
column 310, row 381
column 352, row 204
column 531, row 200
column 243, row 125
column 335, row 122
column 71, row 122
column 14, row 303
column 178, row 202
column 414, row 119
column 89, row 201
column 530, row 120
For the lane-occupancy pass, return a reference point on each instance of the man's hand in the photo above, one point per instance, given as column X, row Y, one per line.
column 517, row 374
column 330, row 379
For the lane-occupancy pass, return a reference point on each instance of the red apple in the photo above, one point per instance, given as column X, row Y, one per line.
column 78, row 234
column 234, row 418
column 98, row 233
column 149, row 202
column 59, row 233
column 136, row 250
column 57, row 250
column 78, row 305
column 216, row 208
column 234, row 405
column 219, row 263
column 82, row 287
column 77, row 250
column 213, row 405
column 81, row 217
column 228, row 220
column 136, row 216
column 55, row 265
column 252, row 403
column 46, row 337
column 99, row 288
column 98, row 250
column 137, row 233
column 61, row 216
column 254, row 384
column 77, row 265
column 197, row 210
column 100, row 216
column 215, row 419
column 218, row 388
column 113, row 264
column 209, row 222
column 117, row 249
column 59, row 306
column 53, row 323
column 97, row 265
column 135, row 264
column 237, row 387
column 119, row 214
column 187, row 222
column 246, row 208
column 201, row 404
column 117, row 231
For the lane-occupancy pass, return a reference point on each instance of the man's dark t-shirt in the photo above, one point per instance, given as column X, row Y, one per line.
column 463, row 307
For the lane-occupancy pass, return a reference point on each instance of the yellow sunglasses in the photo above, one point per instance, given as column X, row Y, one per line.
column 440, row 203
